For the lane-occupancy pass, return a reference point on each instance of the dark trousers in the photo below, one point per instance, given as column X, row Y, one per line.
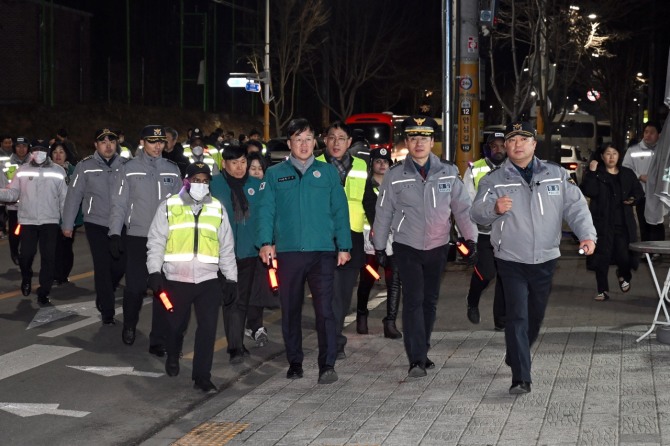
column 3, row 218
column 366, row 282
column 107, row 271
column 344, row 283
column 484, row 272
column 420, row 275
column 648, row 232
column 235, row 315
column 46, row 236
column 14, row 240
column 620, row 255
column 136, row 289
column 527, row 288
column 64, row 256
column 206, row 299
column 317, row 269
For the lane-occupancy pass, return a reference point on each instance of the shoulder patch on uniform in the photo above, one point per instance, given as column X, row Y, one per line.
column 493, row 169
column 399, row 163
column 451, row 163
column 87, row 158
column 572, row 181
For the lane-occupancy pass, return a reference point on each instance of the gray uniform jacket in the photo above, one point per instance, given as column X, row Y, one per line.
column 193, row 271
column 419, row 212
column 531, row 231
column 41, row 191
column 91, row 186
column 142, row 183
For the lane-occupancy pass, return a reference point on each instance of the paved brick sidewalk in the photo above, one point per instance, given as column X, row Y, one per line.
column 590, row 386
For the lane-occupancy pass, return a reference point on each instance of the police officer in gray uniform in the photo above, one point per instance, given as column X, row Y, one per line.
column 91, row 188
column 416, row 201
column 525, row 202
column 141, row 185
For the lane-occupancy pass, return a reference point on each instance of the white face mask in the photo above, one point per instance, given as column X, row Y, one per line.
column 197, row 151
column 39, row 156
column 198, row 191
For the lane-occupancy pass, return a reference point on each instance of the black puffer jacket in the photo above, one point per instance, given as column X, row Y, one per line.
column 599, row 188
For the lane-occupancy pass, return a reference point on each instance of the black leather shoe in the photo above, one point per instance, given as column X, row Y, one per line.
column 519, row 387
column 172, row 365
column 473, row 315
column 26, row 287
column 294, row 371
column 43, row 300
column 416, row 370
column 429, row 364
column 328, row 376
column 237, row 356
column 499, row 323
column 108, row 320
column 340, row 353
column 390, row 330
column 157, row 349
column 205, row 385
column 128, row 335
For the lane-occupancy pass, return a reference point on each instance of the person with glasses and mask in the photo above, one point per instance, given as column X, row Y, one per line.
column 90, row 189
column 303, row 222
column 142, row 183
column 39, row 187
column 353, row 173
column 191, row 258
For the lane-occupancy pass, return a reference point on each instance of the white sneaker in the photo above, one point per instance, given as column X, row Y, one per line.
column 248, row 333
column 261, row 337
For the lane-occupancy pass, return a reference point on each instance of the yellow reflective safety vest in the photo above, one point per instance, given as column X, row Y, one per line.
column 183, row 228
column 480, row 168
column 354, row 187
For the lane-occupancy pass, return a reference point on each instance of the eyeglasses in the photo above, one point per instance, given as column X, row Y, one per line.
column 107, row 137
column 335, row 139
column 302, row 141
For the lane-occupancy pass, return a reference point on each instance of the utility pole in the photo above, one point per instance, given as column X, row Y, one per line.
column 266, row 75
column 447, row 79
column 467, row 144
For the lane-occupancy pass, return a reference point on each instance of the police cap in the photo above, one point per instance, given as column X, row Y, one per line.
column 419, row 126
column 101, row 133
column 153, row 133
column 523, row 128
column 196, row 168
column 380, row 152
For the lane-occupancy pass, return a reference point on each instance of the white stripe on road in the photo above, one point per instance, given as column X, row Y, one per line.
column 31, row 410
column 30, row 357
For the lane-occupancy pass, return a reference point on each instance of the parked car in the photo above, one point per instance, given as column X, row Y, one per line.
column 572, row 161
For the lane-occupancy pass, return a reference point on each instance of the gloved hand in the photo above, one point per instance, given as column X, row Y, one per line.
column 155, row 283
column 381, row 257
column 116, row 248
column 472, row 247
column 229, row 289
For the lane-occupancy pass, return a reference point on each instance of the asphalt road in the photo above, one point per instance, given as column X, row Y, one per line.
column 67, row 380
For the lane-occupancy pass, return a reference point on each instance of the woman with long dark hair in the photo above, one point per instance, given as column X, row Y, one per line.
column 613, row 190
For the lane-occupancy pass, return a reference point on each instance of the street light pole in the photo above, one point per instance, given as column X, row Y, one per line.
column 266, row 75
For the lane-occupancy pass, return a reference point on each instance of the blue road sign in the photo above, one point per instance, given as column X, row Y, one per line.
column 253, row 87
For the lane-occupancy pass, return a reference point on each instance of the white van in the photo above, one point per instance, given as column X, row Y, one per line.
column 580, row 131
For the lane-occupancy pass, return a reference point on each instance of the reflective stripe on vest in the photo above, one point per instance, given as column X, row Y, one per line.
column 354, row 188
column 479, row 169
column 182, row 227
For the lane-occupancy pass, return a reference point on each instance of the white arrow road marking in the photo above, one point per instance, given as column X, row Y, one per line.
column 115, row 371
column 31, row 410
column 79, row 324
column 50, row 314
column 30, row 357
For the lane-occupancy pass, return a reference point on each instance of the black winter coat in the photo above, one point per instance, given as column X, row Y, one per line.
column 599, row 188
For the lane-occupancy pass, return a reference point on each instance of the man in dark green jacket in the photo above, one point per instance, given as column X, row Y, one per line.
column 238, row 192
column 304, row 213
